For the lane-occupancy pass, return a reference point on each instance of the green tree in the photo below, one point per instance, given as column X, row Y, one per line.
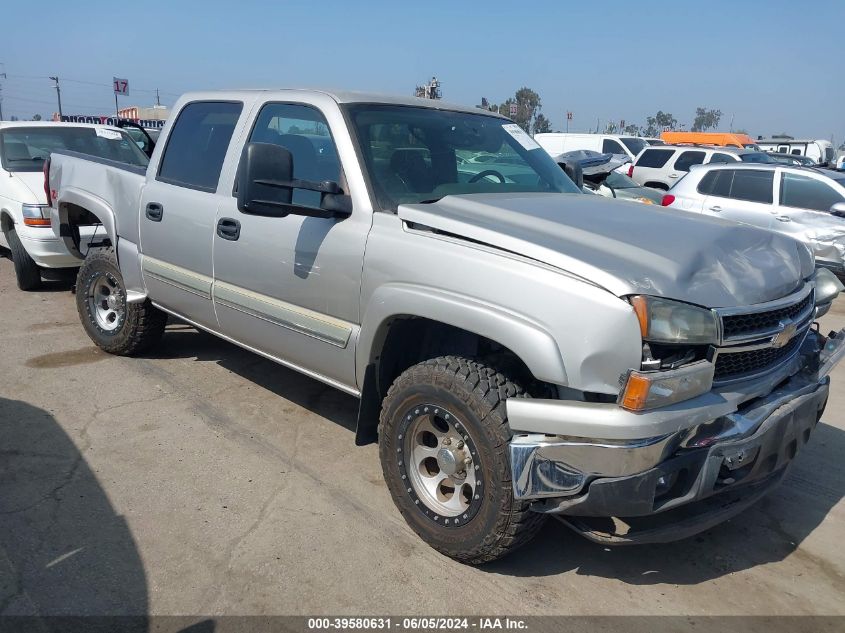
column 542, row 124
column 36, row 117
column 706, row 119
column 631, row 129
column 527, row 108
column 657, row 123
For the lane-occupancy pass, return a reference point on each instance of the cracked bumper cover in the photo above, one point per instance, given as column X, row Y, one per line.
column 597, row 460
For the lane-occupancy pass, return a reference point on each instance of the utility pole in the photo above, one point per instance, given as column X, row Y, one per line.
column 158, row 101
column 2, row 76
column 58, row 94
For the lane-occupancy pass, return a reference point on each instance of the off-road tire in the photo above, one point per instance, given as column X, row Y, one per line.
column 143, row 323
column 27, row 273
column 476, row 393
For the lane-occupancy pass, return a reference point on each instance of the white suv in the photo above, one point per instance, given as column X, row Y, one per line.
column 804, row 202
column 661, row 166
column 24, row 209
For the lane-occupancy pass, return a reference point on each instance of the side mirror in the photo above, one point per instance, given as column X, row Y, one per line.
column 838, row 209
column 266, row 184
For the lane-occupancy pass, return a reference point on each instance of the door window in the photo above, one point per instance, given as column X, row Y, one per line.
column 688, row 159
column 304, row 132
column 807, row 193
column 196, row 147
column 752, row 185
column 609, row 146
column 718, row 157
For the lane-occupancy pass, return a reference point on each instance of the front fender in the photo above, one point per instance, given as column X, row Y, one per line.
column 524, row 337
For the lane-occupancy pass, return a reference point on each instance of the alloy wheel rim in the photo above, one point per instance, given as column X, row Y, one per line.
column 439, row 465
column 107, row 302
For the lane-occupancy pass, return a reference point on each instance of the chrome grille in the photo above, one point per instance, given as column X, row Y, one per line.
column 748, row 335
column 735, row 365
column 743, row 324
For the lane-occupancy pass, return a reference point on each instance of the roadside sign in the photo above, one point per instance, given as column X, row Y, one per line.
column 121, row 86
column 568, row 116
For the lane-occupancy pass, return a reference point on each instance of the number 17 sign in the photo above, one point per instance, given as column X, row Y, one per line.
column 121, row 86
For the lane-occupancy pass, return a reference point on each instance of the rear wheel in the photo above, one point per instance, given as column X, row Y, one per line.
column 113, row 324
column 27, row 273
column 443, row 439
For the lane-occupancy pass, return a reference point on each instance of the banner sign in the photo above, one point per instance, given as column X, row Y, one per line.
column 110, row 120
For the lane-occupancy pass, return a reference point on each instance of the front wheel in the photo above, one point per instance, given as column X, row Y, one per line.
column 443, row 438
column 27, row 272
column 113, row 324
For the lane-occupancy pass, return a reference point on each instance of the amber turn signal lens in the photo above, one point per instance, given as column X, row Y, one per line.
column 36, row 221
column 636, row 392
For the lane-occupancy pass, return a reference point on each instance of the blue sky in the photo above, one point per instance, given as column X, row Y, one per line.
column 775, row 65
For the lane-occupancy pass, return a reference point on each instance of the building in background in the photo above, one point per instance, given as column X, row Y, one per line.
column 150, row 118
column 431, row 90
column 154, row 113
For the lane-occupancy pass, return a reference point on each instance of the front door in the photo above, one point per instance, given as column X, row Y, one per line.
column 743, row 195
column 290, row 286
column 179, row 209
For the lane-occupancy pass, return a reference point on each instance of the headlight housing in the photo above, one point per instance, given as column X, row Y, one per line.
column 667, row 321
column 35, row 214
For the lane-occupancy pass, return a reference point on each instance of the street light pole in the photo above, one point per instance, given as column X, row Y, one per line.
column 58, row 95
column 2, row 76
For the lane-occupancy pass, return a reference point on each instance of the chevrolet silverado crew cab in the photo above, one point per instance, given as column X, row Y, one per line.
column 519, row 349
column 24, row 209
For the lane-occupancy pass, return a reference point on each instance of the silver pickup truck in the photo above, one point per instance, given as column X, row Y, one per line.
column 519, row 349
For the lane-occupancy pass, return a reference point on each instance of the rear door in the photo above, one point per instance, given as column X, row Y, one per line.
column 743, row 195
column 179, row 209
column 683, row 162
column 649, row 166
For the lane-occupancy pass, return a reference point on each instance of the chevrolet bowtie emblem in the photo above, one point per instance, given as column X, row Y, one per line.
column 785, row 335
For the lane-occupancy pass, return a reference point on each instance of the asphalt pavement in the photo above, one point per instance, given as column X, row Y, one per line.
column 202, row 479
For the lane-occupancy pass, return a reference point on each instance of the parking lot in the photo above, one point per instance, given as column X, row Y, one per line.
column 204, row 479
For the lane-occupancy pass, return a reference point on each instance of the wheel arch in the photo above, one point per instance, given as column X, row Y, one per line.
column 406, row 324
column 73, row 206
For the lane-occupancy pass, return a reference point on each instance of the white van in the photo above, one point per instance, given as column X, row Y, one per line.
column 819, row 150
column 556, row 143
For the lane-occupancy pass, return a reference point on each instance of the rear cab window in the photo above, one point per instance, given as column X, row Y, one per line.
column 197, row 145
column 655, row 158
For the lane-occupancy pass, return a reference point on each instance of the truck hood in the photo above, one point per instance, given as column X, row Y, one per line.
column 628, row 248
column 29, row 186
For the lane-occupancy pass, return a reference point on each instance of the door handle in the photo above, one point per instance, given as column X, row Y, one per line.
column 228, row 229
column 154, row 211
column 716, row 208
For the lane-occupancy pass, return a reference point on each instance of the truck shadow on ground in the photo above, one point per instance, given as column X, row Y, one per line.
column 768, row 532
column 63, row 549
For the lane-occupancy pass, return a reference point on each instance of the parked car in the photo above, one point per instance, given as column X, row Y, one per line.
column 24, row 207
column 600, row 176
column 792, row 159
column 718, row 139
column 820, row 150
column 661, row 167
column 444, row 303
column 559, row 142
column 807, row 203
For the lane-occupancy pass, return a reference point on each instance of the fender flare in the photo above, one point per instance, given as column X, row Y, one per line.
column 94, row 204
column 524, row 337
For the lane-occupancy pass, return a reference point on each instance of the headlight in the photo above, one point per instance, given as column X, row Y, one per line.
column 828, row 286
column 649, row 390
column 36, row 214
column 666, row 321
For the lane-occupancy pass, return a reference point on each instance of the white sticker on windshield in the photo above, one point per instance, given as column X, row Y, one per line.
column 112, row 135
column 521, row 137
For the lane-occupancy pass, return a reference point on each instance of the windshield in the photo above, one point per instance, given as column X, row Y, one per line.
column 26, row 148
column 414, row 155
column 757, row 157
column 635, row 145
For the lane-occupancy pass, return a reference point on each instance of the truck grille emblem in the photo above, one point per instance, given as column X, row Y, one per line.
column 785, row 335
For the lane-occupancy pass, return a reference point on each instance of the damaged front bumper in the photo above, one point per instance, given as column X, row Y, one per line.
column 692, row 465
